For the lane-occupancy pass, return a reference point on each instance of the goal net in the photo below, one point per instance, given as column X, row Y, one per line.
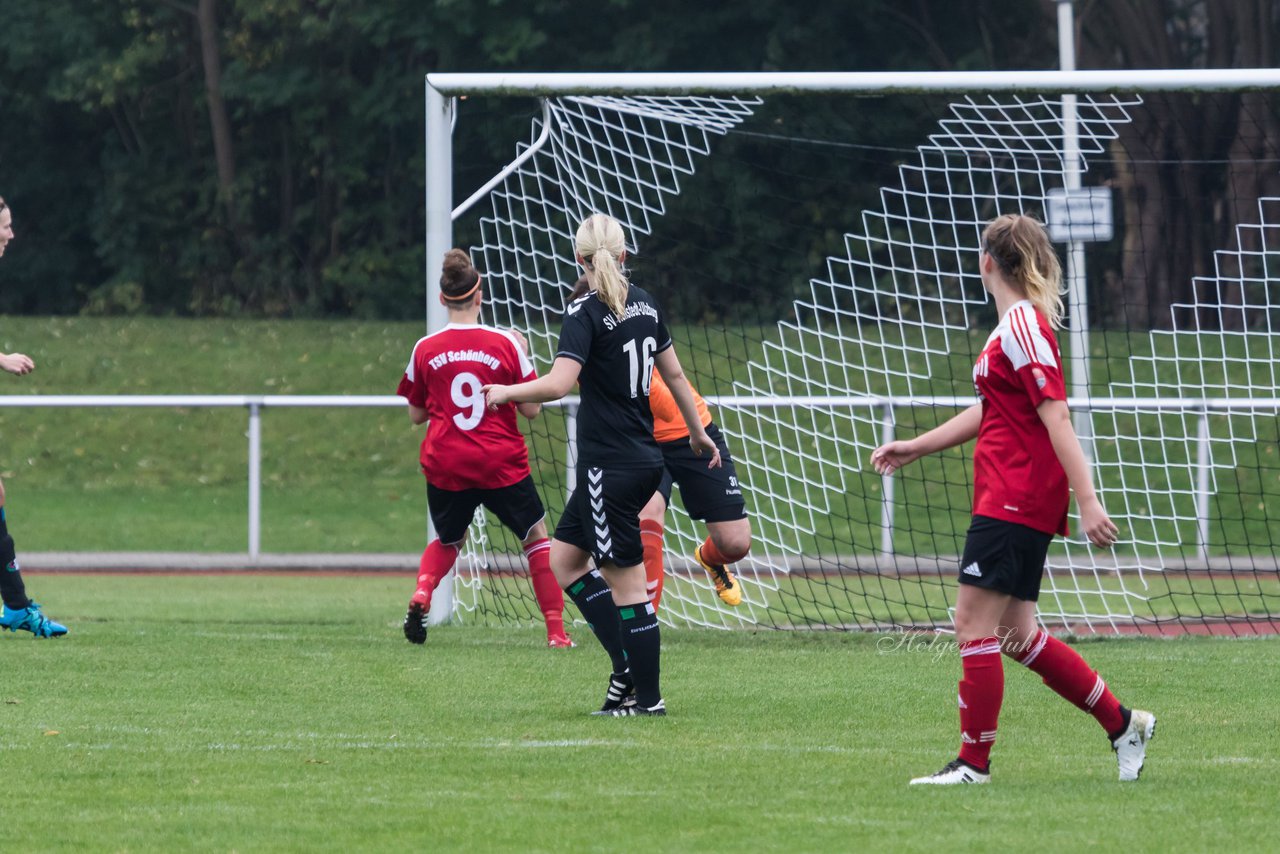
column 817, row 259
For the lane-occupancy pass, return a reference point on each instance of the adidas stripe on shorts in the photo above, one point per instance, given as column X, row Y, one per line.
column 1005, row 557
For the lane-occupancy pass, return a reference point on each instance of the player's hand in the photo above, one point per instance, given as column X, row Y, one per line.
column 1097, row 525
column 524, row 342
column 16, row 363
column 703, row 444
column 890, row 457
column 496, row 395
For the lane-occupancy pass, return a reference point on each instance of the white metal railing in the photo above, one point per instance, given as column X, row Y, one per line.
column 887, row 406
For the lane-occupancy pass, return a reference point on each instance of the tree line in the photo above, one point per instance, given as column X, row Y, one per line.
column 264, row 157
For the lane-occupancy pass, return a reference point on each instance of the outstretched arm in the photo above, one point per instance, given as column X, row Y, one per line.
column 1097, row 525
column 668, row 365
column 892, row 456
column 528, row 410
column 555, row 385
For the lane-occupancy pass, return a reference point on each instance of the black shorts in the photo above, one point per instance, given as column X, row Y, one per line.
column 1005, row 557
column 517, row 506
column 710, row 495
column 602, row 515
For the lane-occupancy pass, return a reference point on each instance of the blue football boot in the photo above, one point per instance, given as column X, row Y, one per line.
column 30, row 619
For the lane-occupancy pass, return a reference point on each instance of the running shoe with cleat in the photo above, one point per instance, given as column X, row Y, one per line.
column 621, row 693
column 415, row 622
column 636, row 710
column 1131, row 746
column 30, row 619
column 954, row 772
column 727, row 587
column 560, row 640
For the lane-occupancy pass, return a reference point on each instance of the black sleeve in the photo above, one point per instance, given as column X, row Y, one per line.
column 663, row 336
column 575, row 337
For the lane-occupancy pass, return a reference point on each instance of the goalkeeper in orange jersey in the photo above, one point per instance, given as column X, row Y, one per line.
column 710, row 495
column 713, row 496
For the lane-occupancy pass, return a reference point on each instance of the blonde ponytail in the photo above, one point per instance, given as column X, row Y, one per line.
column 1021, row 248
column 601, row 244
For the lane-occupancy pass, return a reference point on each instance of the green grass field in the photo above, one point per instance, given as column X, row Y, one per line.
column 269, row 713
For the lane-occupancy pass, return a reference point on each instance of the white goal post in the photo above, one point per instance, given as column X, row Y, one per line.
column 678, row 114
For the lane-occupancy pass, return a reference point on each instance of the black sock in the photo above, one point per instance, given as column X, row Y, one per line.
column 643, row 643
column 12, row 590
column 1127, row 716
column 595, row 601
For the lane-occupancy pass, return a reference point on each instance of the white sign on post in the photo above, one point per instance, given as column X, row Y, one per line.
column 1082, row 215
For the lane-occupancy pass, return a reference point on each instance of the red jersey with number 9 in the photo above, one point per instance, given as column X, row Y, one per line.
column 1016, row 473
column 467, row 446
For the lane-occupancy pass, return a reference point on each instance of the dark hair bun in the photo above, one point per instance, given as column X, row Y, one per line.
column 457, row 275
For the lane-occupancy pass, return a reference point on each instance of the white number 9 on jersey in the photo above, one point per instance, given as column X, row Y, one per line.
column 466, row 394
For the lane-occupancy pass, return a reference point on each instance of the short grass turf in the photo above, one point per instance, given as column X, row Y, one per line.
column 270, row 713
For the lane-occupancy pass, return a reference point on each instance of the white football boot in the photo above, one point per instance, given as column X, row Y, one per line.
column 954, row 772
column 1131, row 746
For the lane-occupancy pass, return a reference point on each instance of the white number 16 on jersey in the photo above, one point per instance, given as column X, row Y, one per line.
column 641, row 364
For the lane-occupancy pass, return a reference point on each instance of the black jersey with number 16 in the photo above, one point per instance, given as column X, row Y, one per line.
column 615, row 425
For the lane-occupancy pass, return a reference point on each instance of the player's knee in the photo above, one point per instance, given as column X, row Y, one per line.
column 1016, row 640
column 536, row 534
column 971, row 626
column 733, row 544
column 655, row 510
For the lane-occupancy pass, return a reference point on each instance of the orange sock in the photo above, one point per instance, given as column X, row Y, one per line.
column 713, row 555
column 651, row 538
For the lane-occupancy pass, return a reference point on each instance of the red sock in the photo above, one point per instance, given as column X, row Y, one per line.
column 651, row 538
column 713, row 555
column 545, row 588
column 1070, row 676
column 436, row 562
column 981, row 693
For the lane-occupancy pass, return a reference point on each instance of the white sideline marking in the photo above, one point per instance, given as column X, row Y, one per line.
column 1242, row 760
column 279, row 741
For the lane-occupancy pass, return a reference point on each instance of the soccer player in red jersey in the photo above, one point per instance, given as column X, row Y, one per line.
column 471, row 455
column 1025, row 466
column 711, row 495
column 611, row 341
column 18, row 612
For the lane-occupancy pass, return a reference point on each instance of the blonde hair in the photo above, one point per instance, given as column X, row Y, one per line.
column 601, row 244
column 1021, row 249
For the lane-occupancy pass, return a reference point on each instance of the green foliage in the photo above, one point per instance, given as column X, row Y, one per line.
column 109, row 158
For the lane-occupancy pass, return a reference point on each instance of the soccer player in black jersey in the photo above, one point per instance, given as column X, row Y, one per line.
column 611, row 341
column 18, row 611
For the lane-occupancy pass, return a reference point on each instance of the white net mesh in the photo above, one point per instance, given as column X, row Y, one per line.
column 622, row 156
column 887, row 316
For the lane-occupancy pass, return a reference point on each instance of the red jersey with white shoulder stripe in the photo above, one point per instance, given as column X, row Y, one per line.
column 467, row 446
column 1016, row 473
